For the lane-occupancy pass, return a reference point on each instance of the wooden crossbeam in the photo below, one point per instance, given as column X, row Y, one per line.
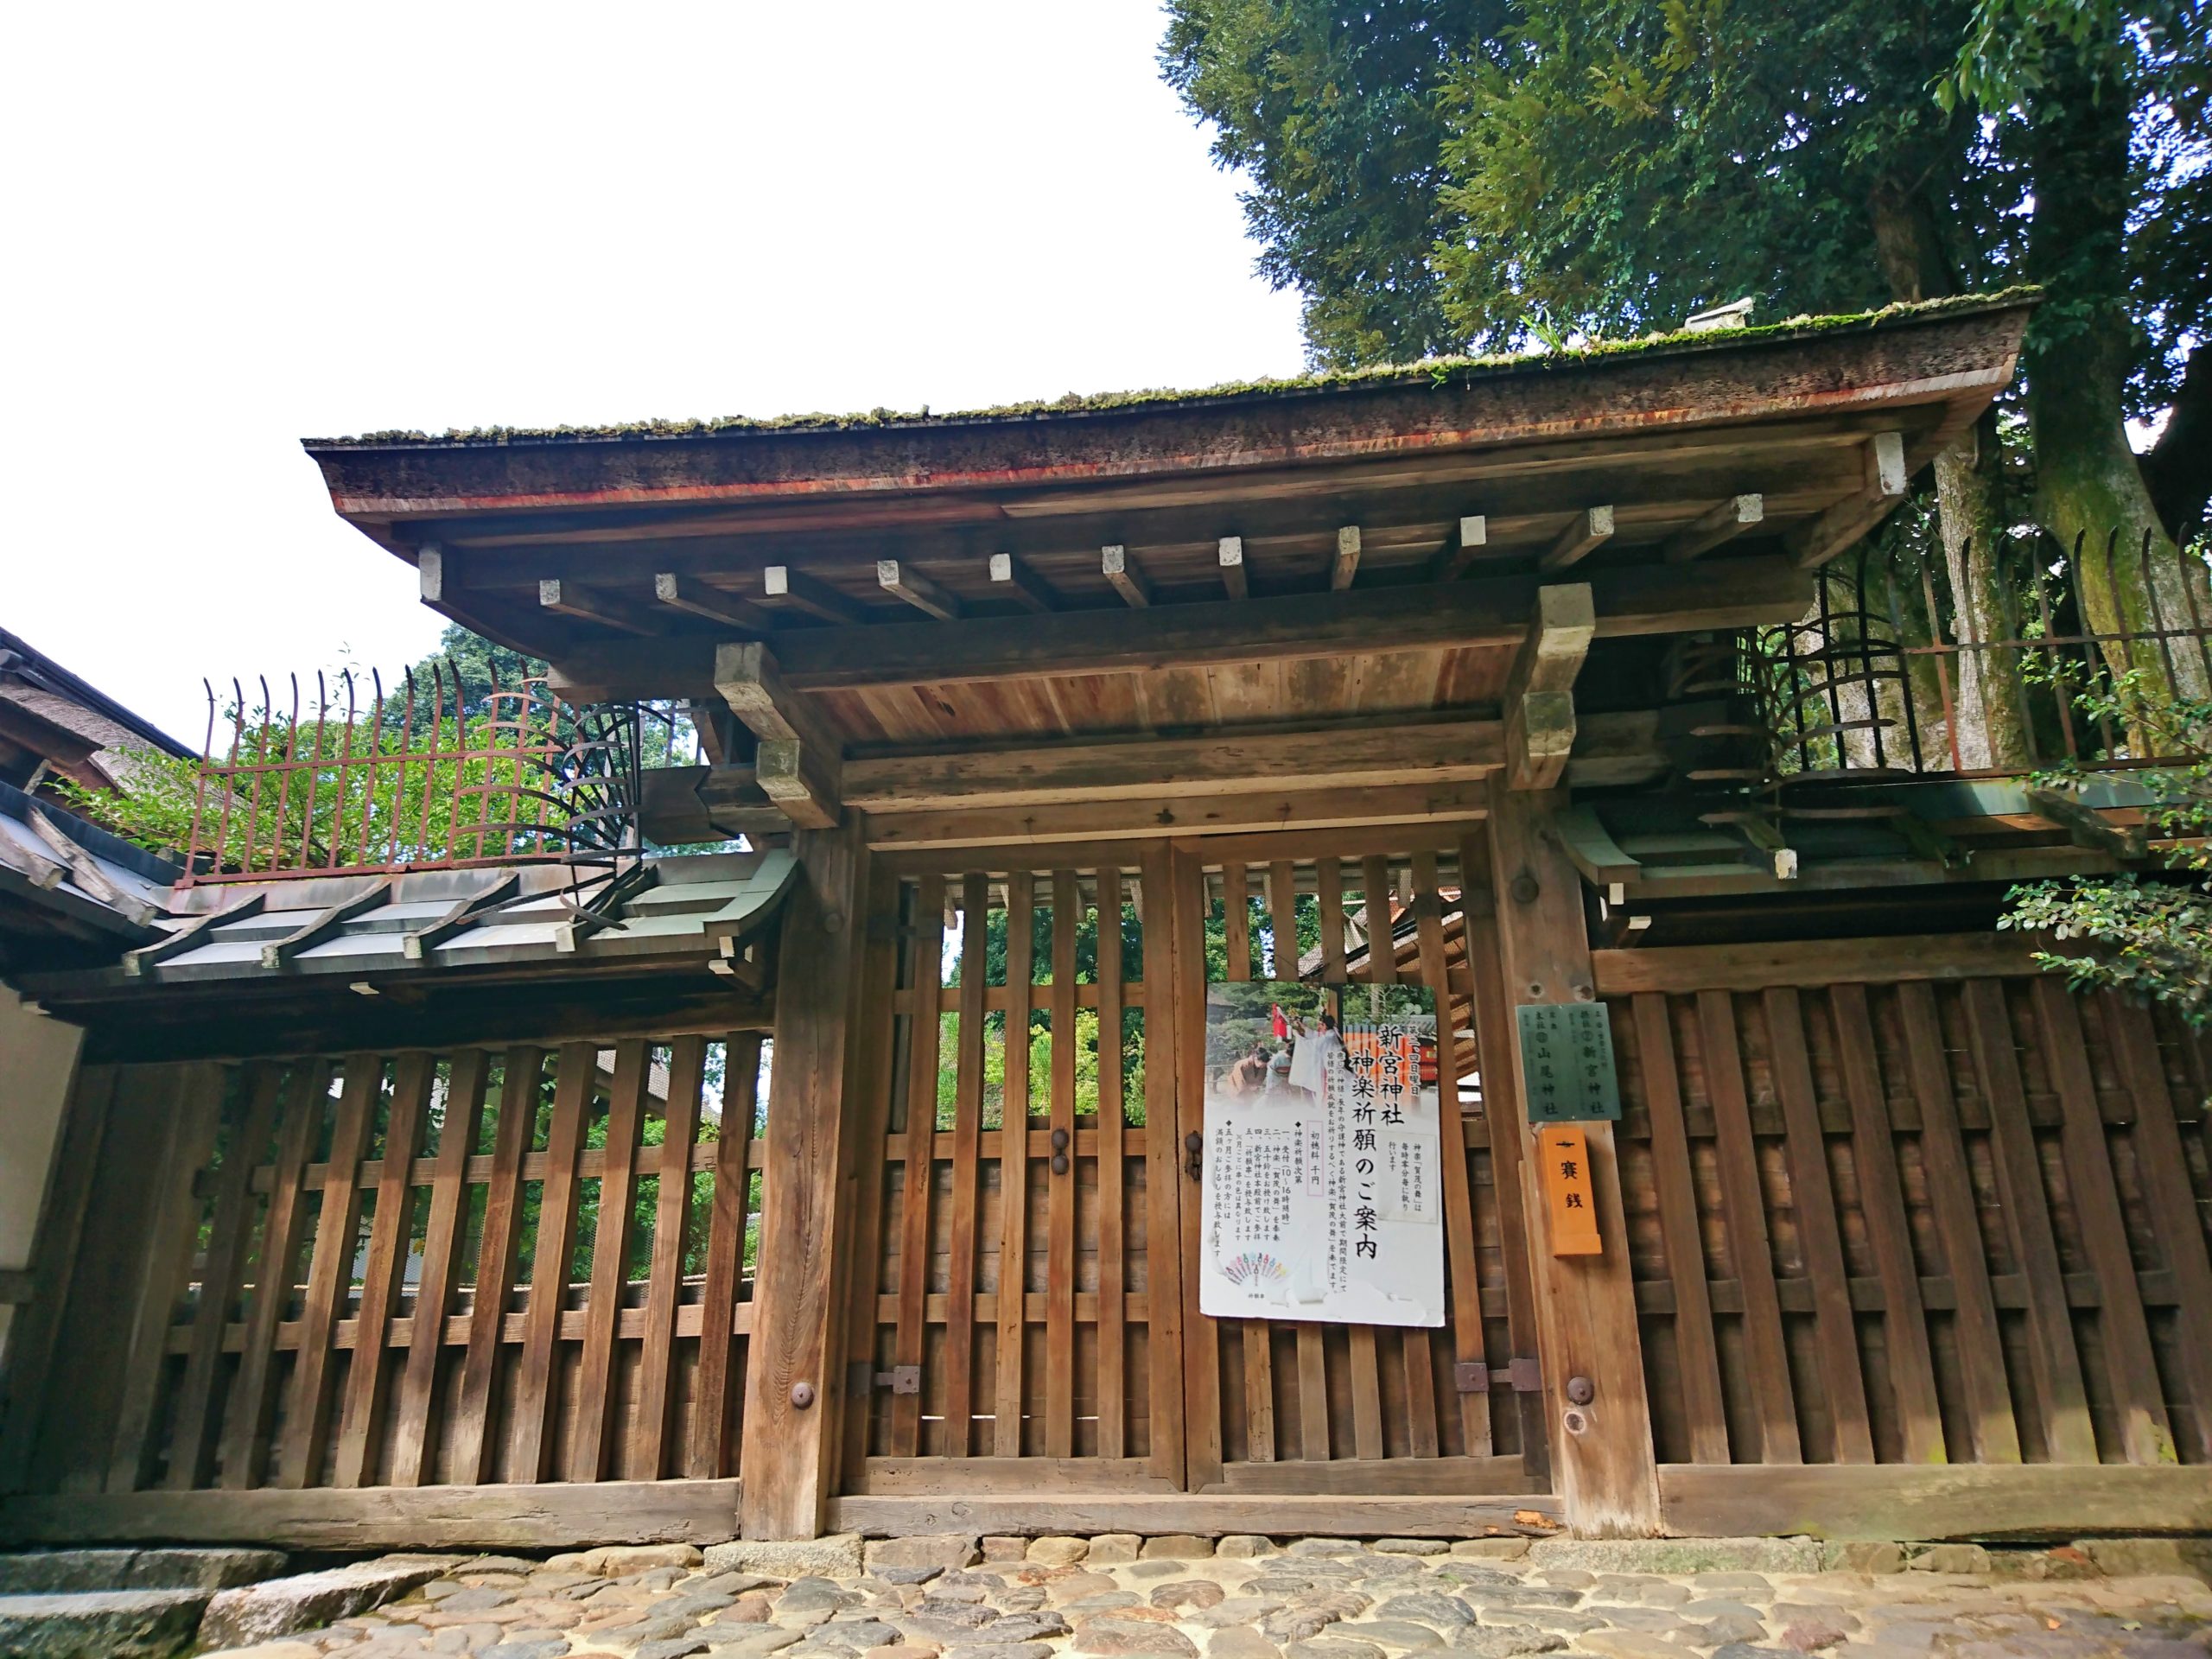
column 422, row 941
column 1013, row 577
column 1588, row 530
column 812, row 595
column 1345, row 565
column 1731, row 519
column 591, row 605
column 690, row 594
column 1473, row 536
column 1230, row 555
column 797, row 759
column 439, row 585
column 1886, row 474
column 137, row 964
column 88, row 874
column 1540, row 691
column 278, row 953
column 904, row 582
column 1123, row 577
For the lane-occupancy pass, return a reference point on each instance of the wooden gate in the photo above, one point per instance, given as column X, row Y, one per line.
column 1101, row 1375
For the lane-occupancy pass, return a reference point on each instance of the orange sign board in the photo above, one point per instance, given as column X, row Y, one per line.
column 1563, row 1155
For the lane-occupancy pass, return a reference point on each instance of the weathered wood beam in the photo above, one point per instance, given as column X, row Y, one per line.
column 567, row 598
column 278, row 953
column 1882, row 1502
column 1588, row 530
column 1475, row 611
column 86, row 872
column 438, row 583
column 1024, row 586
column 798, row 758
column 904, row 582
column 1123, row 577
column 1229, row 552
column 1345, row 565
column 1538, row 699
column 1731, row 519
column 1473, row 536
column 812, row 595
column 1814, row 544
column 794, row 1389
column 137, row 964
column 465, row 912
column 683, row 592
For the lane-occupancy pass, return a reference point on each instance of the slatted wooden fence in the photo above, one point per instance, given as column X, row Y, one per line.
column 476, row 1266
column 1888, row 1206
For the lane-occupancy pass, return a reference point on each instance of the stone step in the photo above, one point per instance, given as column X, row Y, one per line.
column 101, row 1623
column 62, row 1572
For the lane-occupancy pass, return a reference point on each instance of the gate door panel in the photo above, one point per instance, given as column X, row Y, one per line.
column 1309, row 1407
column 1017, row 1303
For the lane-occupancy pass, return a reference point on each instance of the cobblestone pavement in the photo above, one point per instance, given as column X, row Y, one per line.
column 1312, row 1598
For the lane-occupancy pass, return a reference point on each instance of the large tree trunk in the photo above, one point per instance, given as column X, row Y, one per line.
column 1989, row 716
column 2089, row 484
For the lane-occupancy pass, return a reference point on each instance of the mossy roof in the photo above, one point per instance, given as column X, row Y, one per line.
column 1442, row 373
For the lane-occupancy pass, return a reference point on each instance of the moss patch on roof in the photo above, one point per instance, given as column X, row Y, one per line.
column 1441, row 372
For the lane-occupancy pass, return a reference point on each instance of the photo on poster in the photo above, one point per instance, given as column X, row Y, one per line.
column 1322, row 1194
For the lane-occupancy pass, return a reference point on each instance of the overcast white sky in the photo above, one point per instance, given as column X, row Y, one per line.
column 229, row 227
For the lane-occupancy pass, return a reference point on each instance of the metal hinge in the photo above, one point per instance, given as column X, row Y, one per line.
column 901, row 1379
column 1473, row 1377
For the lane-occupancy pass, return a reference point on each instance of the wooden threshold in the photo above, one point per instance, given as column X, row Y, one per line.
column 553, row 1514
column 1032, row 1514
column 1374, row 1477
column 962, row 1478
column 1892, row 1501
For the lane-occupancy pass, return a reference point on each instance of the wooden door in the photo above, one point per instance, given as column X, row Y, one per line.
column 1016, row 1307
column 1311, row 1408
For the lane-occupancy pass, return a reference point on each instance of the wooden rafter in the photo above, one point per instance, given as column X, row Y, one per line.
column 1345, row 565
column 593, row 605
column 1230, row 554
column 1123, row 575
column 1013, row 577
column 1729, row 519
column 904, row 582
column 812, row 595
column 1472, row 535
column 1589, row 529
column 689, row 594
column 1886, row 474
column 1540, row 691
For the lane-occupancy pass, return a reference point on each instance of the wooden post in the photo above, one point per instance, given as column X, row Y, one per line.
column 1602, row 1458
column 794, row 1388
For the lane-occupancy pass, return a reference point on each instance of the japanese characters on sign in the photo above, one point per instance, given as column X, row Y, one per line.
column 1563, row 1160
column 1323, row 1194
column 1566, row 1063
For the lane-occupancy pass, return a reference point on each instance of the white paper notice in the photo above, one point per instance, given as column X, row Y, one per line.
column 1326, row 1206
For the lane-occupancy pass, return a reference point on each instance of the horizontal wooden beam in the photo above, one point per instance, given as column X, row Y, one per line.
column 1509, row 1515
column 1892, row 1501
column 1121, row 819
column 1477, row 611
column 1756, row 967
column 1345, row 755
column 555, row 1515
column 1540, row 691
column 796, row 761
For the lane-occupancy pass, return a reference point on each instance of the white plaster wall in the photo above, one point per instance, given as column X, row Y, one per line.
column 38, row 1058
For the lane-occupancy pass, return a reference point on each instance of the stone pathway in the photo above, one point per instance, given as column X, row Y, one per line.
column 1310, row 1598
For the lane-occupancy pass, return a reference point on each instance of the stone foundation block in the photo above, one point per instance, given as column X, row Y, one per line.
column 275, row 1607
column 125, row 1624
column 836, row 1556
column 1678, row 1554
column 943, row 1550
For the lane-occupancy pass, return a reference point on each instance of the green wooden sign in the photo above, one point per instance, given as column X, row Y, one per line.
column 1566, row 1063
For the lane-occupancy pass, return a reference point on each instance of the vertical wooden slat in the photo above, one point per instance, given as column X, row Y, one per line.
column 31, row 1339
column 1313, row 1363
column 520, row 1076
column 1492, row 1013
column 1773, row 1400
column 1014, row 1163
column 967, row 1133
column 253, row 1398
column 1237, row 922
column 184, row 1141
column 1163, row 1168
column 874, row 1088
column 197, row 1427
column 1113, row 1359
column 1185, row 1031
column 2176, row 1215
column 1881, row 1198
column 709, row 1447
column 597, row 1397
column 1812, row 1197
column 687, row 1079
column 1366, row 1368
column 927, row 979
column 1382, row 969
column 1059, row 1207
column 308, row 1417
column 413, row 1426
column 2131, row 1364
column 2055, row 1364
column 548, row 1264
column 1253, row 1337
column 367, row 1382
column 1950, row 1194
column 1697, row 1358
column 1458, row 1197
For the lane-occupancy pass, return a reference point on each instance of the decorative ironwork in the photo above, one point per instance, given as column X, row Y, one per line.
column 421, row 779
